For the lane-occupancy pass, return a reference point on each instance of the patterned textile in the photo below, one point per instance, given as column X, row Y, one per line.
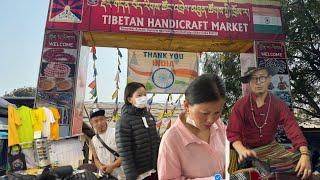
column 280, row 159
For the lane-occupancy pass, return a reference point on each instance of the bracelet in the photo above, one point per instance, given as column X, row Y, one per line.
column 305, row 153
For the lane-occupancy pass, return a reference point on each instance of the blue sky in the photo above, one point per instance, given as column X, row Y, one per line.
column 21, row 35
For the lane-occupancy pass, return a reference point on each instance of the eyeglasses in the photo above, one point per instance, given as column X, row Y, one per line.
column 260, row 79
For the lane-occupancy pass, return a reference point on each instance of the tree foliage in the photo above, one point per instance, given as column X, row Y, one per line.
column 301, row 24
column 227, row 66
column 22, row 92
column 302, row 27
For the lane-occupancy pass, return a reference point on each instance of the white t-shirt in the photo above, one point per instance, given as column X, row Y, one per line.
column 46, row 125
column 104, row 155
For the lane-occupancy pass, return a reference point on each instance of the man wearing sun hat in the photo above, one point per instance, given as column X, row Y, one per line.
column 103, row 145
column 254, row 120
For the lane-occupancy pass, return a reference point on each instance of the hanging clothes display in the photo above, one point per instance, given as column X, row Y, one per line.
column 26, row 124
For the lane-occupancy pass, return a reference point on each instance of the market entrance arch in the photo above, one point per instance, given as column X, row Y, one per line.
column 250, row 27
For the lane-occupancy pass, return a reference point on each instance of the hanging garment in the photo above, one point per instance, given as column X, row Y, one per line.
column 47, row 124
column 54, row 128
column 25, row 130
column 13, row 122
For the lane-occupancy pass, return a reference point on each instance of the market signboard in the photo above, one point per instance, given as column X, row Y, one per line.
column 218, row 19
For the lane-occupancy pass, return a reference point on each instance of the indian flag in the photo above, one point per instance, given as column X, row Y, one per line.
column 267, row 20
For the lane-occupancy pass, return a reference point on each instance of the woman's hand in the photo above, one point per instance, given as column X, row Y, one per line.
column 304, row 167
column 243, row 152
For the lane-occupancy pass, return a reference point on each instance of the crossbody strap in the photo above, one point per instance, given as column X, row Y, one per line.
column 107, row 147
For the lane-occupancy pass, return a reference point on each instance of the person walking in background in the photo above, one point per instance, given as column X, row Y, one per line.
column 136, row 135
column 194, row 147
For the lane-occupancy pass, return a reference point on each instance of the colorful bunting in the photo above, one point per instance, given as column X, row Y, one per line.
column 119, row 63
column 95, row 72
column 117, row 78
column 93, row 50
column 119, row 53
column 94, row 57
column 115, row 94
column 92, row 84
column 93, row 92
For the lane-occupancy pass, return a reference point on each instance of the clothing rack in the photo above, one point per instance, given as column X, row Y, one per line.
column 62, row 138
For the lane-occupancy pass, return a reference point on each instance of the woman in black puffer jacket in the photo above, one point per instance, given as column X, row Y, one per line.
column 136, row 135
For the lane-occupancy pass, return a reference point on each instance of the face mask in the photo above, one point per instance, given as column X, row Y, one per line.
column 191, row 122
column 141, row 102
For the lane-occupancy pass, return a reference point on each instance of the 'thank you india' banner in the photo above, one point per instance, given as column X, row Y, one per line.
column 162, row 71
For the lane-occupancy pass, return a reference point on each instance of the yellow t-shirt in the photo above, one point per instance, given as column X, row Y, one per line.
column 13, row 122
column 25, row 130
column 39, row 117
column 54, row 128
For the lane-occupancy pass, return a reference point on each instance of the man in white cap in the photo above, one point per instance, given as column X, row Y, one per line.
column 104, row 152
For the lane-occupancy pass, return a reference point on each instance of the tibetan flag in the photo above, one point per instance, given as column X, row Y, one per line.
column 115, row 94
column 267, row 20
column 93, row 84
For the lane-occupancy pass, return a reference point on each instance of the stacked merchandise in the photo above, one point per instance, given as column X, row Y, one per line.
column 66, row 152
column 280, row 159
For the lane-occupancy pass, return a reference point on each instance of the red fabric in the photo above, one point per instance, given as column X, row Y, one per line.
column 254, row 175
column 241, row 125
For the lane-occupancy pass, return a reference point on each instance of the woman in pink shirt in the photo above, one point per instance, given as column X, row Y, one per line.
column 194, row 147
